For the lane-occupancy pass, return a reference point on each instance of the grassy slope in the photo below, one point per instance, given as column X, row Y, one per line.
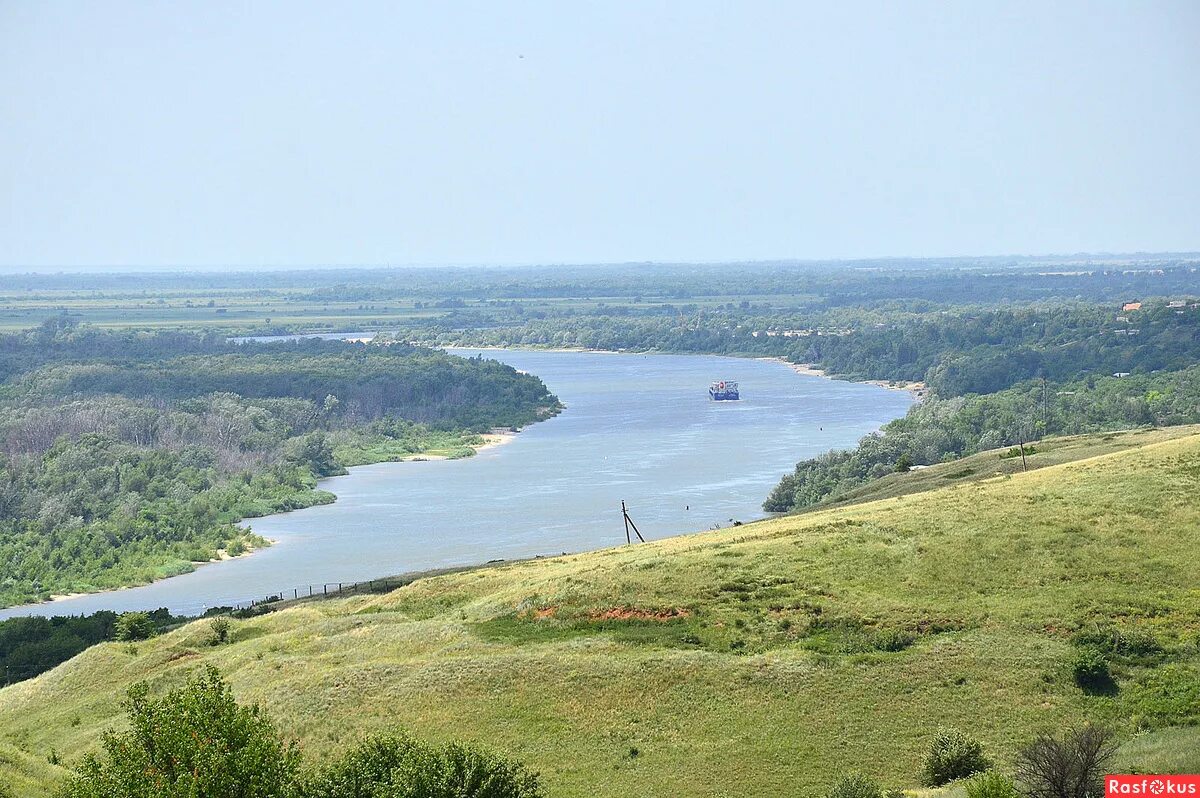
column 762, row 679
column 997, row 462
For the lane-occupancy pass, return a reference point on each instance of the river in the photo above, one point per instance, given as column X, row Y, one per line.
column 637, row 427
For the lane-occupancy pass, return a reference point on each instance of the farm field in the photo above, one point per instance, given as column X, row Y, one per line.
column 761, row 660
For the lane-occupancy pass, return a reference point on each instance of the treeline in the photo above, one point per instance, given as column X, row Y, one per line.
column 952, row 281
column 34, row 645
column 965, row 351
column 119, row 471
column 834, row 283
column 939, row 429
column 987, row 351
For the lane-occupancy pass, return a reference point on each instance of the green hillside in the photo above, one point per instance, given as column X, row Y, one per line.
column 760, row 660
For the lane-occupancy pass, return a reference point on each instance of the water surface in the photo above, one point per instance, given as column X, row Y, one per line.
column 638, row 428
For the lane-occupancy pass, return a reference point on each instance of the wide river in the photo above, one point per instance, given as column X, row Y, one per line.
column 638, row 428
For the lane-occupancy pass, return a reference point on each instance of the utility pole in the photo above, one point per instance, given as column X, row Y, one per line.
column 629, row 524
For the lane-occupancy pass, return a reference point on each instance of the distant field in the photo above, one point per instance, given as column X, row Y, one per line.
column 761, row 660
column 239, row 309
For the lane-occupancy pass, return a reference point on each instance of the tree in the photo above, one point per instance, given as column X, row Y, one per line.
column 220, row 631
column 1070, row 767
column 953, row 755
column 314, row 451
column 399, row 766
column 133, row 626
column 196, row 741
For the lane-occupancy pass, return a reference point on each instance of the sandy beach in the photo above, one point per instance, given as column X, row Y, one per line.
column 917, row 389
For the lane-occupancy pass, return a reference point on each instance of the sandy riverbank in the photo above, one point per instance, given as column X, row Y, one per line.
column 490, row 441
column 496, row 438
column 917, row 389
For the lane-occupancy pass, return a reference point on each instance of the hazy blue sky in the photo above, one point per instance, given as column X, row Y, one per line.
column 514, row 132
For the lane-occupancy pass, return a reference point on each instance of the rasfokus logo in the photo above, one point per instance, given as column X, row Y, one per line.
column 1152, row 786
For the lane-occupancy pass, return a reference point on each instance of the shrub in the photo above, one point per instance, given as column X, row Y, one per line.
column 220, row 631
column 893, row 639
column 1090, row 670
column 855, row 785
column 398, row 766
column 195, row 741
column 1070, row 767
column 135, row 626
column 992, row 784
column 953, row 755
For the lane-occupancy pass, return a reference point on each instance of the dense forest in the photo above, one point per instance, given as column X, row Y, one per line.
column 129, row 457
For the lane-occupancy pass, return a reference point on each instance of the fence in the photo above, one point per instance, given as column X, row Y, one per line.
column 338, row 589
column 324, row 590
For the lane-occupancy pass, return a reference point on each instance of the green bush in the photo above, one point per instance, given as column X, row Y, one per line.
column 953, row 755
column 1090, row 670
column 196, row 741
column 992, row 784
column 220, row 631
column 135, row 626
column 893, row 639
column 398, row 766
column 855, row 785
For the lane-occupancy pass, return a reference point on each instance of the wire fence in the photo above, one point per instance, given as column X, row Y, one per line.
column 323, row 590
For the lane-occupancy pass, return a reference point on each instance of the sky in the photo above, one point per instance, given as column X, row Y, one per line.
column 275, row 134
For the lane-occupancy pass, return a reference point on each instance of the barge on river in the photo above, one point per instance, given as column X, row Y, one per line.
column 724, row 391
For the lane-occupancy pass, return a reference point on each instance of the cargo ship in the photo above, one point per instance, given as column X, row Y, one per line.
column 724, row 391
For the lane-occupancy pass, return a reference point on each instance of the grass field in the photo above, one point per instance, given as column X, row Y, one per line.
column 760, row 660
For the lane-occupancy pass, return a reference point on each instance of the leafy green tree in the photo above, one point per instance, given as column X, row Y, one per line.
column 398, row 766
column 220, row 630
column 953, row 755
column 196, row 742
column 314, row 451
column 133, row 626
